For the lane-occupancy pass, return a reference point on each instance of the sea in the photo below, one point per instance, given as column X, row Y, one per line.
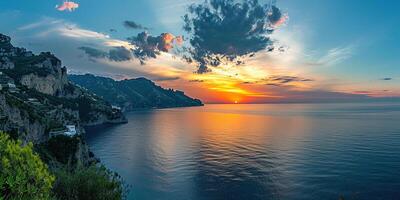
column 256, row 152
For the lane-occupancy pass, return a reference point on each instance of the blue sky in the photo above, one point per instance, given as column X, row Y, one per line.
column 345, row 46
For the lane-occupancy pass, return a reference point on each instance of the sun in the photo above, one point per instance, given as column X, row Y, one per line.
column 236, row 102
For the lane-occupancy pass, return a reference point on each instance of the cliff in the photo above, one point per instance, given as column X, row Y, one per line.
column 36, row 97
column 133, row 94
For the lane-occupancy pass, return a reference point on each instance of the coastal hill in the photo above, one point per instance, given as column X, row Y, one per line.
column 131, row 94
column 42, row 120
column 36, row 98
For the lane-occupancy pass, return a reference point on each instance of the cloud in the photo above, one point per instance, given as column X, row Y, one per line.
column 115, row 50
column 386, row 79
column 94, row 53
column 276, row 17
column 67, row 6
column 160, row 79
column 378, row 93
column 148, row 46
column 202, row 69
column 117, row 54
column 44, row 22
column 196, row 81
column 223, row 30
column 281, row 80
column 65, row 39
column 76, row 32
column 120, row 54
column 134, row 25
column 49, row 26
column 336, row 55
column 362, row 92
column 321, row 96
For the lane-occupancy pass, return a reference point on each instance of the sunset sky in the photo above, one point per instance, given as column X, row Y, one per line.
column 323, row 50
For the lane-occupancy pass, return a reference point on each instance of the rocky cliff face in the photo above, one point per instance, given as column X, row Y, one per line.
column 32, row 121
column 41, row 72
column 17, row 121
column 46, row 85
column 53, row 83
column 43, row 99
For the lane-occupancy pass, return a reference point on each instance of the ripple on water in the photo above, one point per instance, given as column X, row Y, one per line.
column 257, row 152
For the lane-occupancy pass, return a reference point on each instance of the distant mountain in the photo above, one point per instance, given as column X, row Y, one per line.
column 133, row 94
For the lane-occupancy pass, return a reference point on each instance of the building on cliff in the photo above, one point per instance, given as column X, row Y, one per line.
column 68, row 130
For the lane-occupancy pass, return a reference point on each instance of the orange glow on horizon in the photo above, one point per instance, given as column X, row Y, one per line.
column 232, row 84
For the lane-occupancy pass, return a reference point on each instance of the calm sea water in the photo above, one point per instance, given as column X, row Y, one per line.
column 245, row 152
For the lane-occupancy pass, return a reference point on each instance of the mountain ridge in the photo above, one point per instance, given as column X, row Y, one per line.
column 132, row 94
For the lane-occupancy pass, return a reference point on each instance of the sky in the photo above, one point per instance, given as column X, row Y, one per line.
column 313, row 51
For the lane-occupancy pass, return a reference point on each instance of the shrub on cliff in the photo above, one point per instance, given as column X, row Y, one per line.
column 63, row 149
column 22, row 174
column 92, row 183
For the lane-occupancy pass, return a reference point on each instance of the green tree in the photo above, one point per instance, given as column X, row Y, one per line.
column 91, row 183
column 22, row 174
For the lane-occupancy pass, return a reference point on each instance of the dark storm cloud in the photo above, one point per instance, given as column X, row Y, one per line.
column 223, row 30
column 117, row 54
column 120, row 54
column 94, row 53
column 276, row 17
column 279, row 80
column 202, row 68
column 386, row 79
column 134, row 25
column 148, row 46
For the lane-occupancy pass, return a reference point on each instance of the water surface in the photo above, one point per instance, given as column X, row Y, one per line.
column 245, row 152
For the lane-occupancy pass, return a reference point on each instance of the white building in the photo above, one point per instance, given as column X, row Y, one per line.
column 116, row 107
column 71, row 130
column 11, row 85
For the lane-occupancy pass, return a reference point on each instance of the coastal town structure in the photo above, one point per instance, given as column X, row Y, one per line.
column 68, row 130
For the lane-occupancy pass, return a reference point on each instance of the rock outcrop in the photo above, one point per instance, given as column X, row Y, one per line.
column 36, row 97
column 17, row 120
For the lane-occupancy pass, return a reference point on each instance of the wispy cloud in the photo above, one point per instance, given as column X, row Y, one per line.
column 76, row 32
column 336, row 55
column 50, row 26
column 287, row 79
column 44, row 22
